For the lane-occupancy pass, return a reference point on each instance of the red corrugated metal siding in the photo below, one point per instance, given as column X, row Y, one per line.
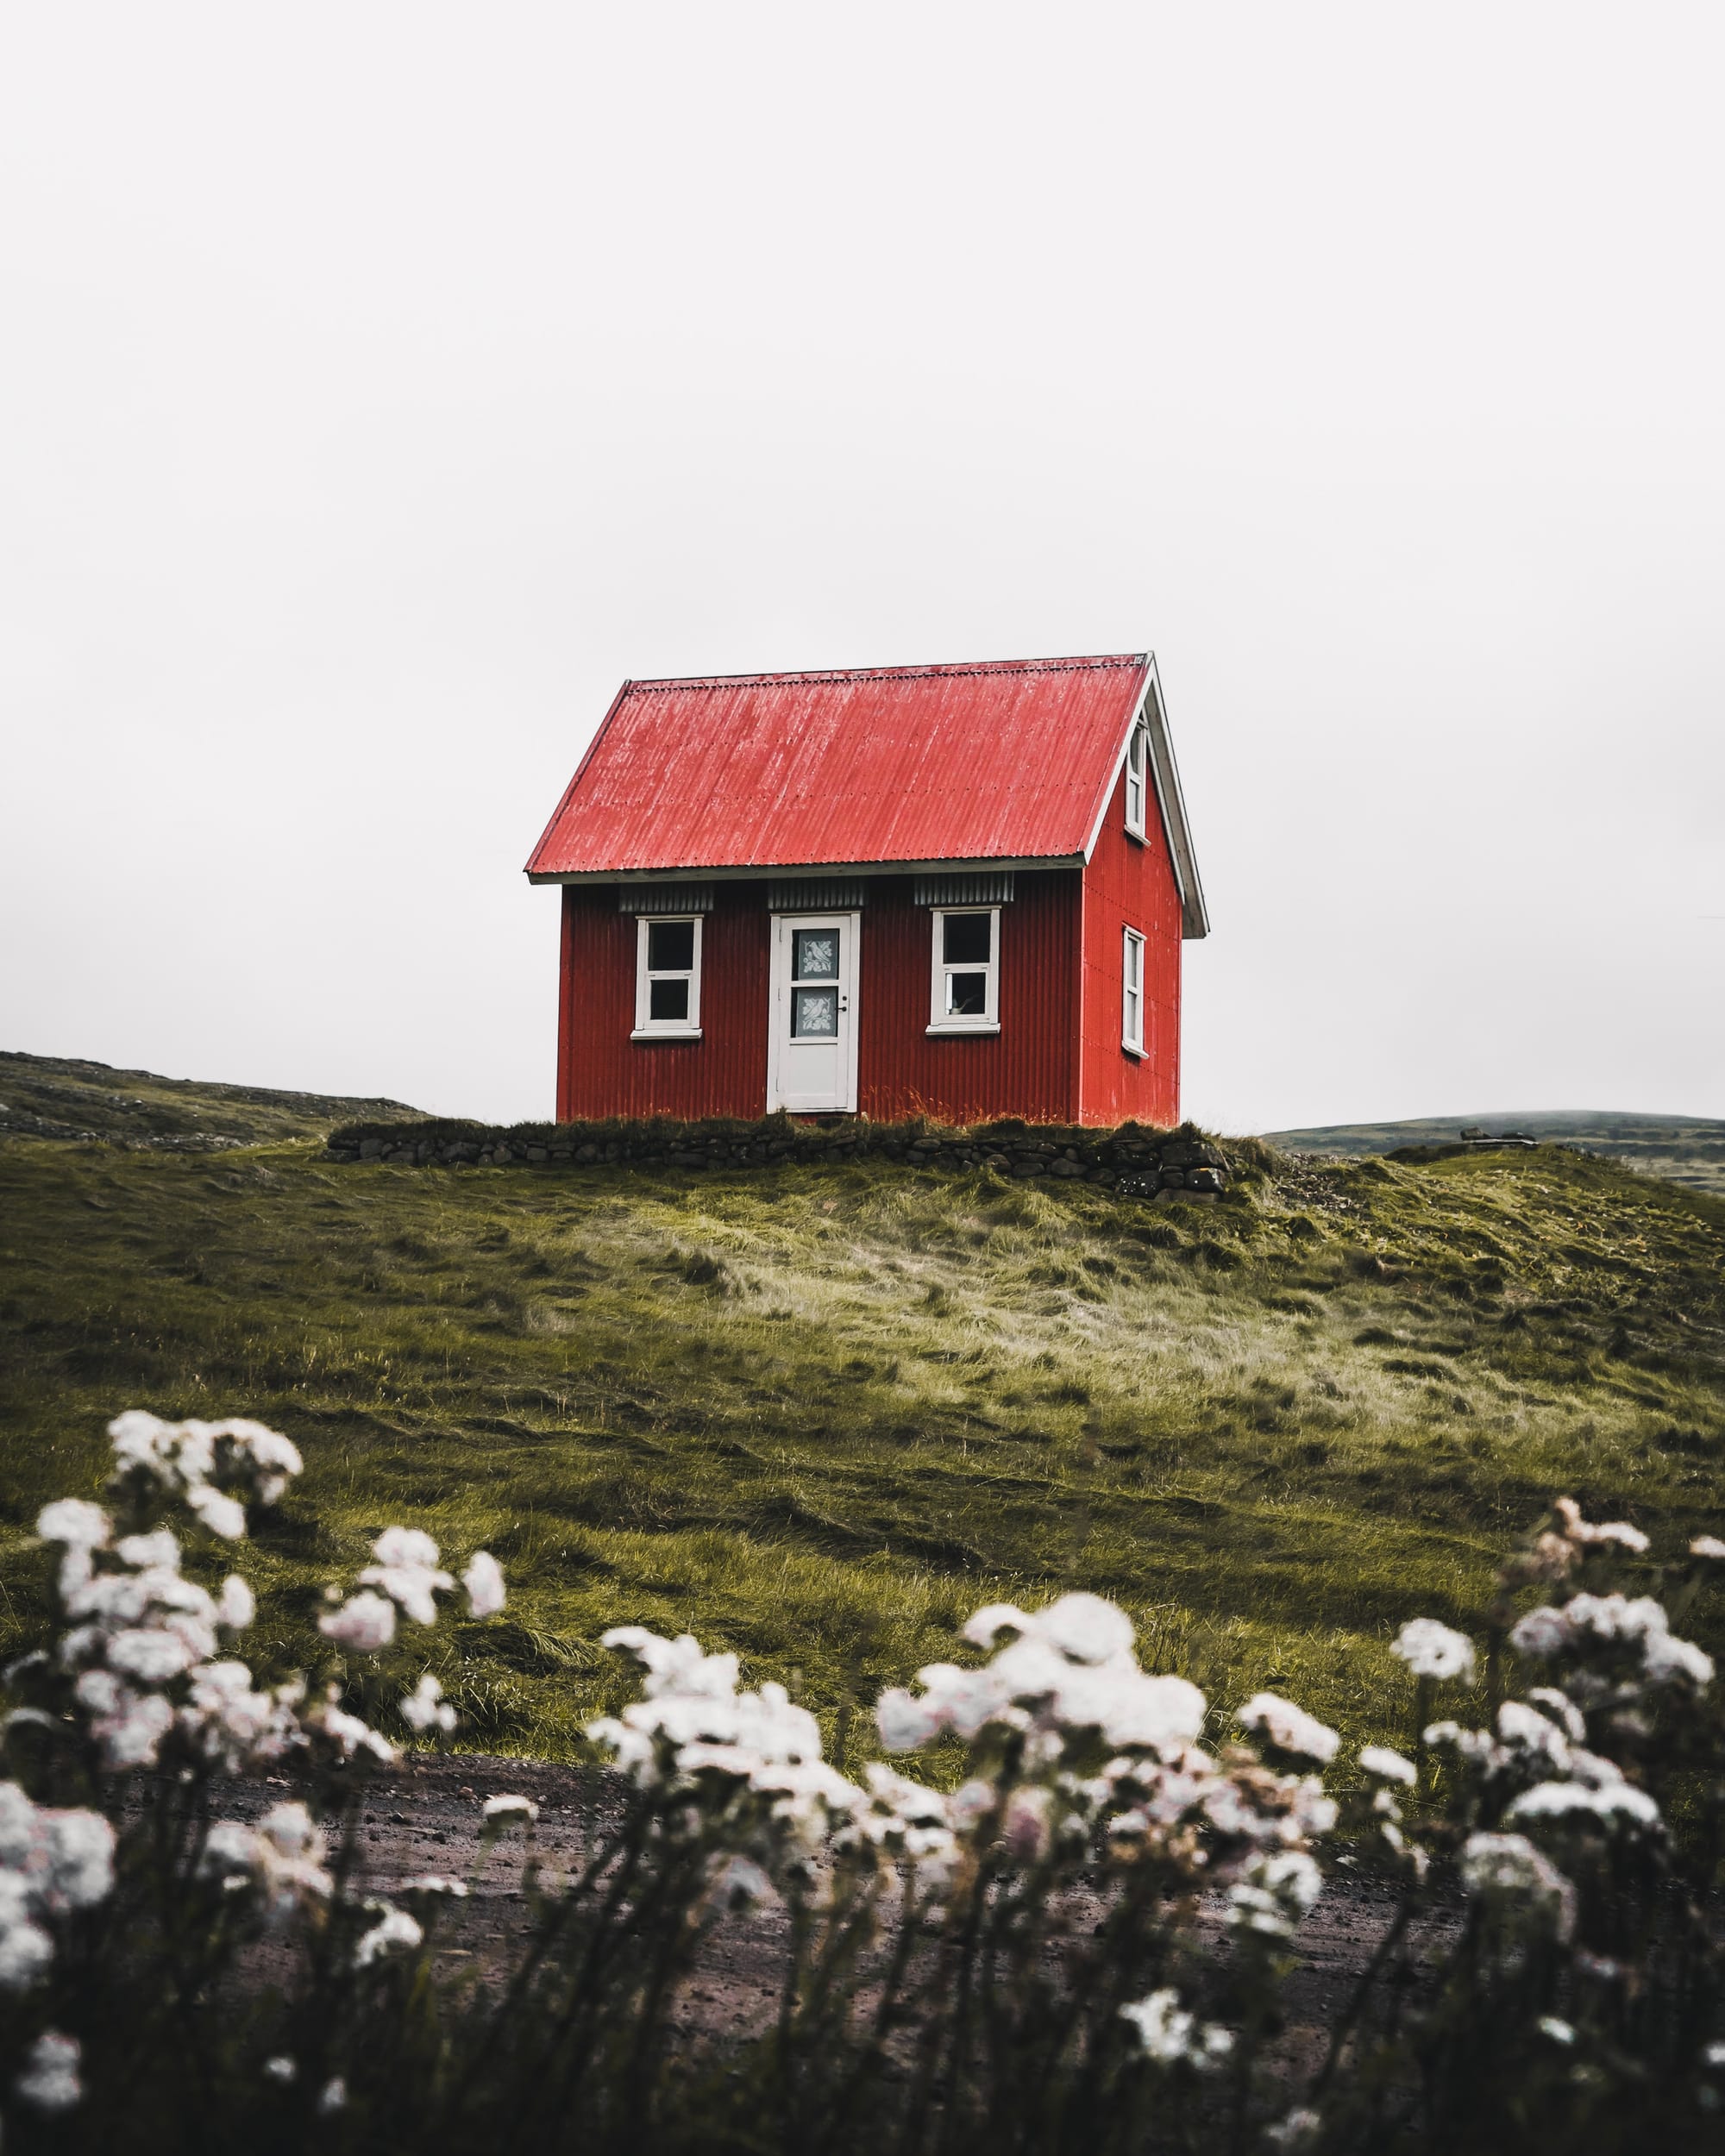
column 1128, row 885
column 1002, row 761
column 600, row 1071
column 1028, row 1068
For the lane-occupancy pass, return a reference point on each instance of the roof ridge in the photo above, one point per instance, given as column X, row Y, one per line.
column 931, row 672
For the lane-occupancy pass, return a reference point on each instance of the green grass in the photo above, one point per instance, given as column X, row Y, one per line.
column 1684, row 1149
column 819, row 1414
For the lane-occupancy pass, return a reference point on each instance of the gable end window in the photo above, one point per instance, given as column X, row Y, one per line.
column 1131, row 993
column 667, row 954
column 965, row 989
column 1137, row 780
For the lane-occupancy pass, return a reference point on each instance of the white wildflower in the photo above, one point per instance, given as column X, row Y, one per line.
column 425, row 1707
column 1431, row 1650
column 76, row 1859
column 1708, row 1546
column 1609, row 1534
column 159, row 1551
column 434, row 1883
column 1289, row 1728
column 1543, row 1633
column 333, row 2097
column 281, row 2069
column 1386, row 1765
column 232, row 1726
column 1171, row 2035
column 1614, row 1802
column 48, row 2080
column 364, row 1623
column 483, row 1581
column 1086, row 1628
column 1559, row 1708
column 905, row 1721
column 128, row 1726
column 1665, row 1659
column 1509, row 1866
column 347, row 1732
column 406, row 1570
column 236, row 1605
column 149, row 1657
column 1026, row 1823
column 221, row 1514
column 1558, row 2030
column 74, row 1523
column 26, row 1951
column 509, row 1807
column 1295, row 2130
column 394, row 1930
column 985, row 1626
column 1274, row 1893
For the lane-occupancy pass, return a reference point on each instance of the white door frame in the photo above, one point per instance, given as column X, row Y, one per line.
column 849, row 926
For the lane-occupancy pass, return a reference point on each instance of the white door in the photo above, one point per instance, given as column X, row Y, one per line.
column 812, row 1053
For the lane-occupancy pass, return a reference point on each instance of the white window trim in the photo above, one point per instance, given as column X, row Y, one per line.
column 1137, row 780
column 648, row 1028
column 939, row 1021
column 1132, row 991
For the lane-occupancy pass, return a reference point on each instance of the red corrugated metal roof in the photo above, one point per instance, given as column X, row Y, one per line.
column 997, row 761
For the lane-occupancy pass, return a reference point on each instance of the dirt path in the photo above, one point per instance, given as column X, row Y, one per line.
column 425, row 1816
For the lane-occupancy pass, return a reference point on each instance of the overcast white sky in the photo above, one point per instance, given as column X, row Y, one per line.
column 380, row 384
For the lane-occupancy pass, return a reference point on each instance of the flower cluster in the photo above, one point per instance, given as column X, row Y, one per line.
column 1104, row 1757
column 282, row 1860
column 202, row 1465
column 751, row 1760
column 1509, row 1872
column 1434, row 1652
column 51, row 1863
column 407, row 1572
column 1169, row 2036
column 1618, row 1638
column 135, row 1625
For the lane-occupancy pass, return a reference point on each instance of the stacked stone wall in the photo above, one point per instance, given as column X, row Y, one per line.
column 1136, row 1161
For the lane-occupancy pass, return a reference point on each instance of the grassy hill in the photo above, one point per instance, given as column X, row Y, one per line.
column 60, row 1097
column 819, row 1414
column 1688, row 1149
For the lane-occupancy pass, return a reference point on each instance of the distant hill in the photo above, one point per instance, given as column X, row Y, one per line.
column 61, row 1097
column 1683, row 1149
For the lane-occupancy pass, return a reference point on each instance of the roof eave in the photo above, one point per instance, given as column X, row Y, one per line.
column 752, row 872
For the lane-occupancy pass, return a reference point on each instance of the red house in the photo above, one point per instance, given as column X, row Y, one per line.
column 956, row 891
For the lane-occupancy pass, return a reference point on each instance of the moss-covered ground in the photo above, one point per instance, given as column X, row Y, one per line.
column 819, row 1414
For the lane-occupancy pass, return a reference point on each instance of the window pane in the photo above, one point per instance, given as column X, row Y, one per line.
column 670, row 946
column 815, row 956
column 966, row 939
column 814, row 1014
column 966, row 995
column 669, row 999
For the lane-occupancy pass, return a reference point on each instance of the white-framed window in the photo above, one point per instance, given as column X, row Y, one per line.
column 668, row 978
column 965, row 989
column 1137, row 779
column 1131, row 993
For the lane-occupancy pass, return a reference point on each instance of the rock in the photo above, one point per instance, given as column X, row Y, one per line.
column 1203, row 1179
column 1065, row 1166
column 370, row 1148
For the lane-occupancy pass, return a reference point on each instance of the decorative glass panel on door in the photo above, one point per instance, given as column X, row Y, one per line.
column 814, row 1014
column 815, row 955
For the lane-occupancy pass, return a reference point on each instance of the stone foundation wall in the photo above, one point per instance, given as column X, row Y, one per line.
column 1136, row 1161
